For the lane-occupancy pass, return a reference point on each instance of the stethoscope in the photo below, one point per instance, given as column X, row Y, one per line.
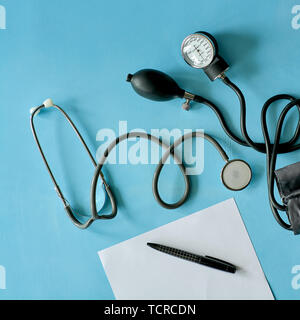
column 200, row 50
column 235, row 175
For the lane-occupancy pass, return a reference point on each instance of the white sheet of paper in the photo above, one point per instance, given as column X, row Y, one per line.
column 136, row 271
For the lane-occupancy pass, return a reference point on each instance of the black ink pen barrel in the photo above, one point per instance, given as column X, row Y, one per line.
column 217, row 264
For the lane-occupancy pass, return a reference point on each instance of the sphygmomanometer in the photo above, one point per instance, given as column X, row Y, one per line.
column 200, row 50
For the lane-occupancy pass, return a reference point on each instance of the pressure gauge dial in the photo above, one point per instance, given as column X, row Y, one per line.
column 198, row 50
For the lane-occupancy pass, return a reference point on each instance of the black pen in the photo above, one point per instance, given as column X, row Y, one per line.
column 204, row 260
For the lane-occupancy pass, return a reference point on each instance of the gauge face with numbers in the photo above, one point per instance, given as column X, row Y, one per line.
column 198, row 50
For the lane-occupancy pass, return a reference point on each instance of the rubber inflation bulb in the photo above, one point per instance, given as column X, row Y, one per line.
column 155, row 85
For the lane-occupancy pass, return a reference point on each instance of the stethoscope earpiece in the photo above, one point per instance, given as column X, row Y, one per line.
column 236, row 175
column 48, row 103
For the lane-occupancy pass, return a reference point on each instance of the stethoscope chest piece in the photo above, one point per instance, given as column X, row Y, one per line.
column 236, row 175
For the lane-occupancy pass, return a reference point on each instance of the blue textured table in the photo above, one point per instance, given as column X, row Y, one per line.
column 79, row 53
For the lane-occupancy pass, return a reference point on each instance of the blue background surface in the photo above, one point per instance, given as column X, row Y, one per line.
column 79, row 53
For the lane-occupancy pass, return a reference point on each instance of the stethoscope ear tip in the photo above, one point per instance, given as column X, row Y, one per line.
column 33, row 109
column 48, row 103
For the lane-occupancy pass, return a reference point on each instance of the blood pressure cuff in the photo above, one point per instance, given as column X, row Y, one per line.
column 288, row 183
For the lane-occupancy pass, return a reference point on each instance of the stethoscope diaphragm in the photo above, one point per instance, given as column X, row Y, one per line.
column 236, row 175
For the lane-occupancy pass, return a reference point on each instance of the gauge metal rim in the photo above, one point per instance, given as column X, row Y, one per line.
column 204, row 36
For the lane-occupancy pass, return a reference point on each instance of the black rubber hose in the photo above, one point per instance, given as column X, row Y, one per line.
column 271, row 150
column 261, row 147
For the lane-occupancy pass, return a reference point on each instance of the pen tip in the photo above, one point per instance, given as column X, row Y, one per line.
column 150, row 244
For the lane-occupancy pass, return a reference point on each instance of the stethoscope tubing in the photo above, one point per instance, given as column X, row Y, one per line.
column 169, row 151
column 66, row 204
